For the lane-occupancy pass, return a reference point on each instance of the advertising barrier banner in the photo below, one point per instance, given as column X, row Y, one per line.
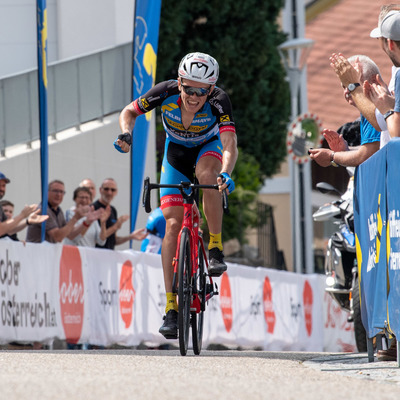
column 104, row 297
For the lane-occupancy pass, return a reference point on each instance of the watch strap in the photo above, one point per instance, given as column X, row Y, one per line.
column 388, row 114
column 333, row 160
column 353, row 86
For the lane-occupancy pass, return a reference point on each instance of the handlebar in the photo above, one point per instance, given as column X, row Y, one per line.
column 147, row 187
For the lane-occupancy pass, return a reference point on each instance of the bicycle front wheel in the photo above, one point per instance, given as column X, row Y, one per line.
column 184, row 290
column 199, row 283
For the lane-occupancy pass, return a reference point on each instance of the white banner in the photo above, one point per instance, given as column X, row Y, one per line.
column 102, row 297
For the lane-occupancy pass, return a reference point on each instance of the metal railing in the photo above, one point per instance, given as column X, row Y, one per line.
column 79, row 90
column 267, row 242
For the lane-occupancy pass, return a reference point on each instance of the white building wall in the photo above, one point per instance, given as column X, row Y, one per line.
column 73, row 157
column 75, row 27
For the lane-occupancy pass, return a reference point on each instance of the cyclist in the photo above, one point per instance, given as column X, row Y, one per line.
column 201, row 137
column 155, row 227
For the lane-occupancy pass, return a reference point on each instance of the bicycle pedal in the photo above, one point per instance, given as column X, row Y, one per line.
column 209, row 288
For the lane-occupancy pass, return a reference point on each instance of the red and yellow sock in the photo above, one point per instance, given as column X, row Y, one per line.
column 171, row 302
column 215, row 241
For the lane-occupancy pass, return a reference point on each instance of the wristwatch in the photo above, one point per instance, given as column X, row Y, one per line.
column 353, row 86
column 332, row 160
column 388, row 114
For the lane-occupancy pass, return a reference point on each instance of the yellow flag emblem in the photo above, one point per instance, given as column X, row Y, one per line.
column 379, row 230
column 225, row 118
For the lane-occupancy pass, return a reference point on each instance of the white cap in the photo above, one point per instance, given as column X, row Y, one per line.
column 389, row 27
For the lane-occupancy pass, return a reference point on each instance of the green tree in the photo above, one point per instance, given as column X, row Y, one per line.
column 243, row 36
column 242, row 202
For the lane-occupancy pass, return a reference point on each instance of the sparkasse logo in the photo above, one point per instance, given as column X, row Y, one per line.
column 226, row 302
column 269, row 313
column 71, row 293
column 308, row 305
column 126, row 293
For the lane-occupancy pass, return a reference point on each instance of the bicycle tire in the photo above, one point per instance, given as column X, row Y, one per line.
column 197, row 320
column 184, row 290
column 360, row 333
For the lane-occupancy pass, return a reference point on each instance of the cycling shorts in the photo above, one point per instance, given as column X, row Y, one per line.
column 179, row 164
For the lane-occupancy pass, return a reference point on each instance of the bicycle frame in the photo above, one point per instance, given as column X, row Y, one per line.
column 195, row 286
column 191, row 221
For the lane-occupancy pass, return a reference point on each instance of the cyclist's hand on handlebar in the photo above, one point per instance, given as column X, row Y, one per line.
column 123, row 142
column 225, row 182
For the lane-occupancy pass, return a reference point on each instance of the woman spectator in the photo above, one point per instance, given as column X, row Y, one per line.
column 95, row 233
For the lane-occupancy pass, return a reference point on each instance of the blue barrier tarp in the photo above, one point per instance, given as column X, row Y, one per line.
column 370, row 217
column 393, row 249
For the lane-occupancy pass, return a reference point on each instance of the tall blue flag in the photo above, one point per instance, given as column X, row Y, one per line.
column 42, row 86
column 145, row 46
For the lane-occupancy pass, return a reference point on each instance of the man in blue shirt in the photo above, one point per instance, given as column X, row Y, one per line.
column 339, row 152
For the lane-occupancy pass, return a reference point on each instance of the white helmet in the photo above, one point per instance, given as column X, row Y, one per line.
column 199, row 67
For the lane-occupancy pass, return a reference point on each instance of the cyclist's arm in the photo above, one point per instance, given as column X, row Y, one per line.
column 145, row 103
column 127, row 118
column 230, row 151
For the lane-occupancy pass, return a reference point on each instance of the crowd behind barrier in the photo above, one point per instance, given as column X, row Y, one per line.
column 103, row 297
column 377, row 226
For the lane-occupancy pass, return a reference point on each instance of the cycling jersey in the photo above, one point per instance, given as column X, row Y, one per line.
column 213, row 118
column 185, row 147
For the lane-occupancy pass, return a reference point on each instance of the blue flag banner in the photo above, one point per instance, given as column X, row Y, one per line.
column 370, row 226
column 393, row 249
column 145, row 46
column 42, row 86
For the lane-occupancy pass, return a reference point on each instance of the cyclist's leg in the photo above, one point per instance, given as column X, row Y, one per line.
column 172, row 208
column 173, row 217
column 177, row 166
column 208, row 168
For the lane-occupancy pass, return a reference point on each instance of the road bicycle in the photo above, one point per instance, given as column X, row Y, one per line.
column 191, row 281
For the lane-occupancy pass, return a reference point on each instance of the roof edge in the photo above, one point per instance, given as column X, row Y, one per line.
column 316, row 7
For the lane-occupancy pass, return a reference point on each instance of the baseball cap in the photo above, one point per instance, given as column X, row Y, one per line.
column 389, row 27
column 3, row 177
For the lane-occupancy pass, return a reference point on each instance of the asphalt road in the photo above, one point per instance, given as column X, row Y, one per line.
column 155, row 374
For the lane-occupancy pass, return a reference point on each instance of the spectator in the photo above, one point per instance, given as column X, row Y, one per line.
column 56, row 226
column 339, row 153
column 347, row 75
column 94, row 233
column 88, row 183
column 28, row 216
column 108, row 190
column 388, row 33
column 8, row 210
column 155, row 232
column 389, row 106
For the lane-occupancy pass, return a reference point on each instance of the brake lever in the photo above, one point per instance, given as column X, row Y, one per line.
column 146, row 195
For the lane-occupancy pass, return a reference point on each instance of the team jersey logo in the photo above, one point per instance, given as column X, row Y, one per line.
column 144, row 102
column 225, row 118
column 169, row 107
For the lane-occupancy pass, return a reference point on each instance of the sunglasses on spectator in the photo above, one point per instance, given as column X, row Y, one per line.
column 199, row 92
column 109, row 189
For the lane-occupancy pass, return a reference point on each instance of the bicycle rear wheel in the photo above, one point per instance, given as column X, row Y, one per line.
column 199, row 287
column 184, row 290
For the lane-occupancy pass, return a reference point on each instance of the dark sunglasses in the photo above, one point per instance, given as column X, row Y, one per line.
column 111, row 189
column 199, row 92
